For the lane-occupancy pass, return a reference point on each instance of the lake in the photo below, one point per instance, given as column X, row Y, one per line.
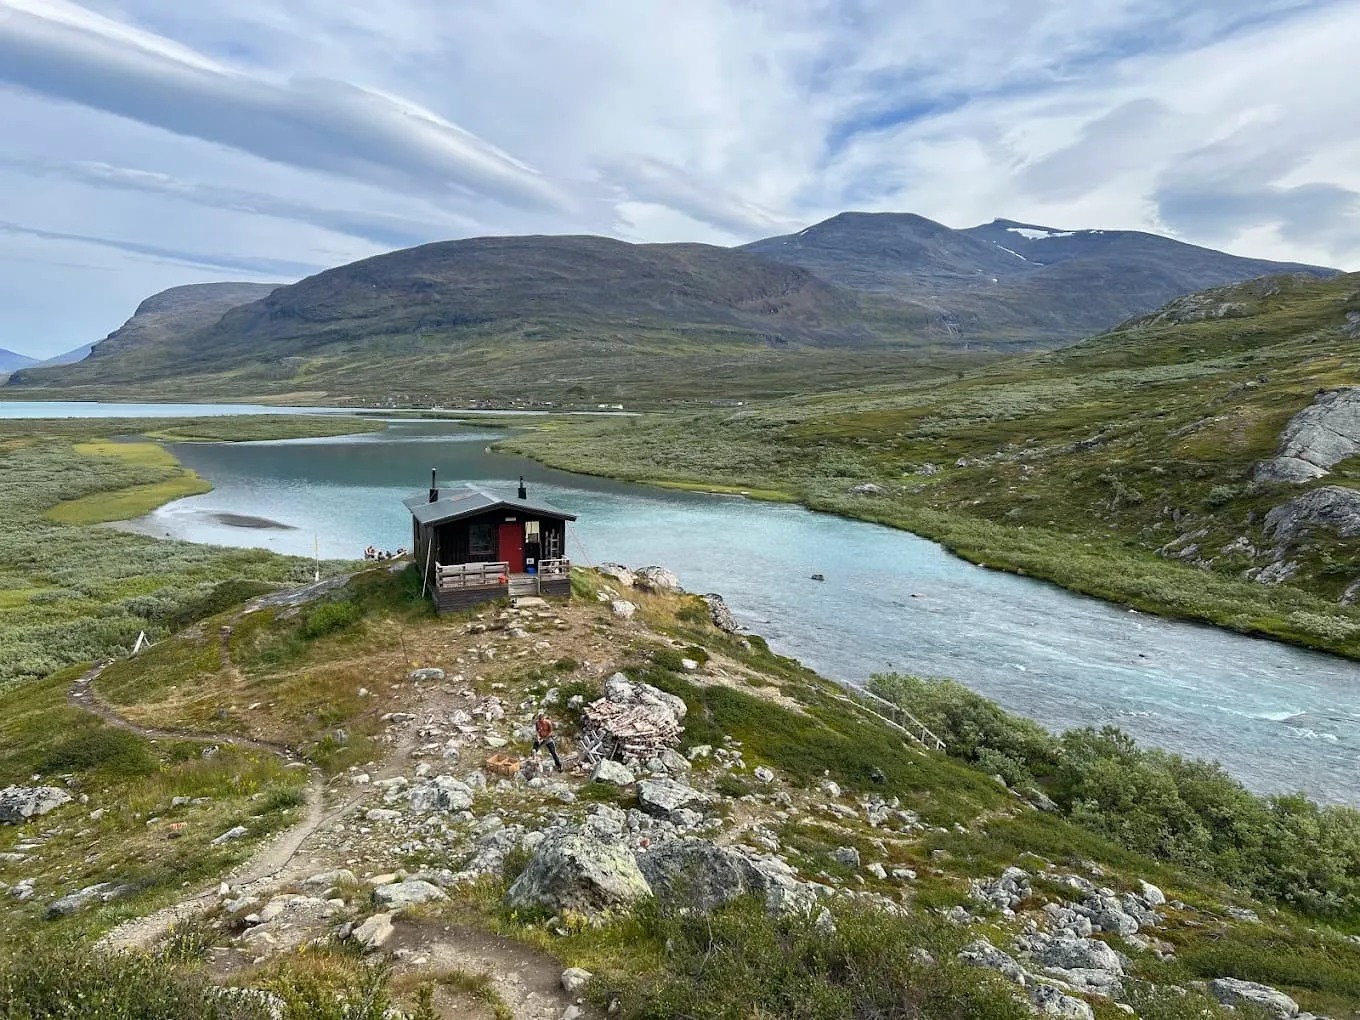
column 1280, row 718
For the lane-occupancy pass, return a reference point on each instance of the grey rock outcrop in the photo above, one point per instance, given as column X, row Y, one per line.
column 622, row 691
column 20, row 803
column 443, row 793
column 612, row 772
column 1324, row 433
column 373, row 931
column 579, row 870
column 1050, row 1001
column 1232, row 992
column 981, row 953
column 104, row 892
column 656, row 579
column 618, row 572
column 1331, row 506
column 698, row 873
column 664, row 797
column 720, row 614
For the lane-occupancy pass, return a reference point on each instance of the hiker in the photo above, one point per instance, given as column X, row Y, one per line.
column 543, row 737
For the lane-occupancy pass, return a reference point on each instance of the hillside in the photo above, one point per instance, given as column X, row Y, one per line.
column 1199, row 461
column 576, row 320
column 11, row 362
column 1009, row 279
column 301, row 798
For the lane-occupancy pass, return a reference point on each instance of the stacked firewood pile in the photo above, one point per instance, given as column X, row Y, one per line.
column 632, row 723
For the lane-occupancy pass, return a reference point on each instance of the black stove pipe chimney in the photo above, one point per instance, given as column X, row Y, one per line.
column 523, row 492
column 434, row 486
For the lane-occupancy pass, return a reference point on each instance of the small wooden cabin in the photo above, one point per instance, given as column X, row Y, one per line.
column 473, row 545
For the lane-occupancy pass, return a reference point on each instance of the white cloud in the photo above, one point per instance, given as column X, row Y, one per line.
column 320, row 131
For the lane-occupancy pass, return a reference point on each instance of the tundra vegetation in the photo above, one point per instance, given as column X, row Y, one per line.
column 907, row 843
column 71, row 591
column 1122, row 467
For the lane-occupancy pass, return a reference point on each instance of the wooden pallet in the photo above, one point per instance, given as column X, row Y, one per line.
column 503, row 764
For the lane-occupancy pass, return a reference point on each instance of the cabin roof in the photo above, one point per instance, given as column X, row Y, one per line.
column 458, row 501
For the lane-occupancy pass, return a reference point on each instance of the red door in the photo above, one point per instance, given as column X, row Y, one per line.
column 511, row 544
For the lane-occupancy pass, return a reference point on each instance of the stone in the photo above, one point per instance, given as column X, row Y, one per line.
column 579, row 870
column 1320, row 436
column 373, row 931
column 689, row 665
column 381, row 815
column 1242, row 914
column 656, row 579
column 662, row 797
column 846, row 855
column 575, row 979
column 623, row 609
column 672, row 760
column 981, row 953
column 398, row 895
column 20, row 803
column 425, row 675
column 720, row 614
column 608, row 771
column 618, row 572
column 442, row 793
column 68, row 905
column 867, row 489
column 1331, row 506
column 765, row 775
column 232, row 834
column 1049, row 1000
column 1233, row 992
column 878, row 871
column 699, row 874
column 1071, row 953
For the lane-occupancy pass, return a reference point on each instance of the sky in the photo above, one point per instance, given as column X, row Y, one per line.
column 153, row 143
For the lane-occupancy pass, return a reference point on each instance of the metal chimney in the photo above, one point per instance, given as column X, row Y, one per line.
column 523, row 492
column 434, row 485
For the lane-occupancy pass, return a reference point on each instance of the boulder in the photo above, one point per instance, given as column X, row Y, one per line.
column 765, row 775
column 622, row 691
column 234, row 833
column 700, row 874
column 1332, row 506
column 1324, row 433
column 618, row 572
column 373, row 931
column 1071, row 953
column 662, row 797
column 575, row 979
column 622, row 609
column 656, row 579
column 846, row 855
column 981, row 953
column 867, row 489
column 1232, row 992
column 720, row 614
column 672, row 760
column 102, row 892
column 327, row 879
column 443, row 793
column 398, row 895
column 20, row 803
column 579, row 870
column 429, row 673
column 612, row 772
column 1049, row 1000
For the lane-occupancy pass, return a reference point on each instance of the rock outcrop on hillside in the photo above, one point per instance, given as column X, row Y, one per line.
column 1331, row 506
column 1320, row 436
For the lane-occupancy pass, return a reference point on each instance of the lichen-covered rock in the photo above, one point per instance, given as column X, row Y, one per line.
column 103, row 892
column 698, row 873
column 1324, row 433
column 326, row 879
column 720, row 614
column 612, row 772
column 20, row 803
column 579, row 870
column 622, row 691
column 1051, row 1001
column 618, row 572
column 1332, row 506
column 397, row 895
column 1232, row 992
column 981, row 953
column 656, row 579
column 443, row 793
column 426, row 675
column 575, row 979
column 373, row 931
column 622, row 608
column 663, row 797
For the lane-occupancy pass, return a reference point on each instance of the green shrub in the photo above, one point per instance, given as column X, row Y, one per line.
column 329, row 618
column 668, row 658
column 732, row 786
column 116, row 752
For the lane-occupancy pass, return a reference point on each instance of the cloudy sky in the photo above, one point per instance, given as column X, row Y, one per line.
column 150, row 143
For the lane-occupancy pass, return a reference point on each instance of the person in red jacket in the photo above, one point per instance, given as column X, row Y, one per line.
column 543, row 737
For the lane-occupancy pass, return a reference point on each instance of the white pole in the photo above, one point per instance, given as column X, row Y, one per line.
column 316, row 552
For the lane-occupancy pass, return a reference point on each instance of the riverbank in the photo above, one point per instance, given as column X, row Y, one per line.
column 72, row 590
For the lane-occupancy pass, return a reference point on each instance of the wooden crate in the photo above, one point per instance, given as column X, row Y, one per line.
column 503, row 764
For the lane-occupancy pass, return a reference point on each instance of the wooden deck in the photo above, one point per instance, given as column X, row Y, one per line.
column 460, row 585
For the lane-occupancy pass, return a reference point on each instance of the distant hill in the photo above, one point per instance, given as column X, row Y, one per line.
column 69, row 357
column 11, row 362
column 1006, row 279
column 581, row 318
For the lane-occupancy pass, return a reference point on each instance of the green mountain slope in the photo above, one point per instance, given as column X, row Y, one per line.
column 1128, row 466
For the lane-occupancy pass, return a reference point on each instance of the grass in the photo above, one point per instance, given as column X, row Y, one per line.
column 134, row 500
column 71, row 591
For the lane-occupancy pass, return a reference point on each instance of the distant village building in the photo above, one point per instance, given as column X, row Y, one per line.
column 473, row 545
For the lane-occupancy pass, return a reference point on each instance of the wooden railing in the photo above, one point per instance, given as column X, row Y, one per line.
column 897, row 716
column 472, row 575
column 552, row 568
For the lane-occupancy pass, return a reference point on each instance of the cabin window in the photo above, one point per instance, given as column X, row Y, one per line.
column 481, row 541
column 531, row 531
